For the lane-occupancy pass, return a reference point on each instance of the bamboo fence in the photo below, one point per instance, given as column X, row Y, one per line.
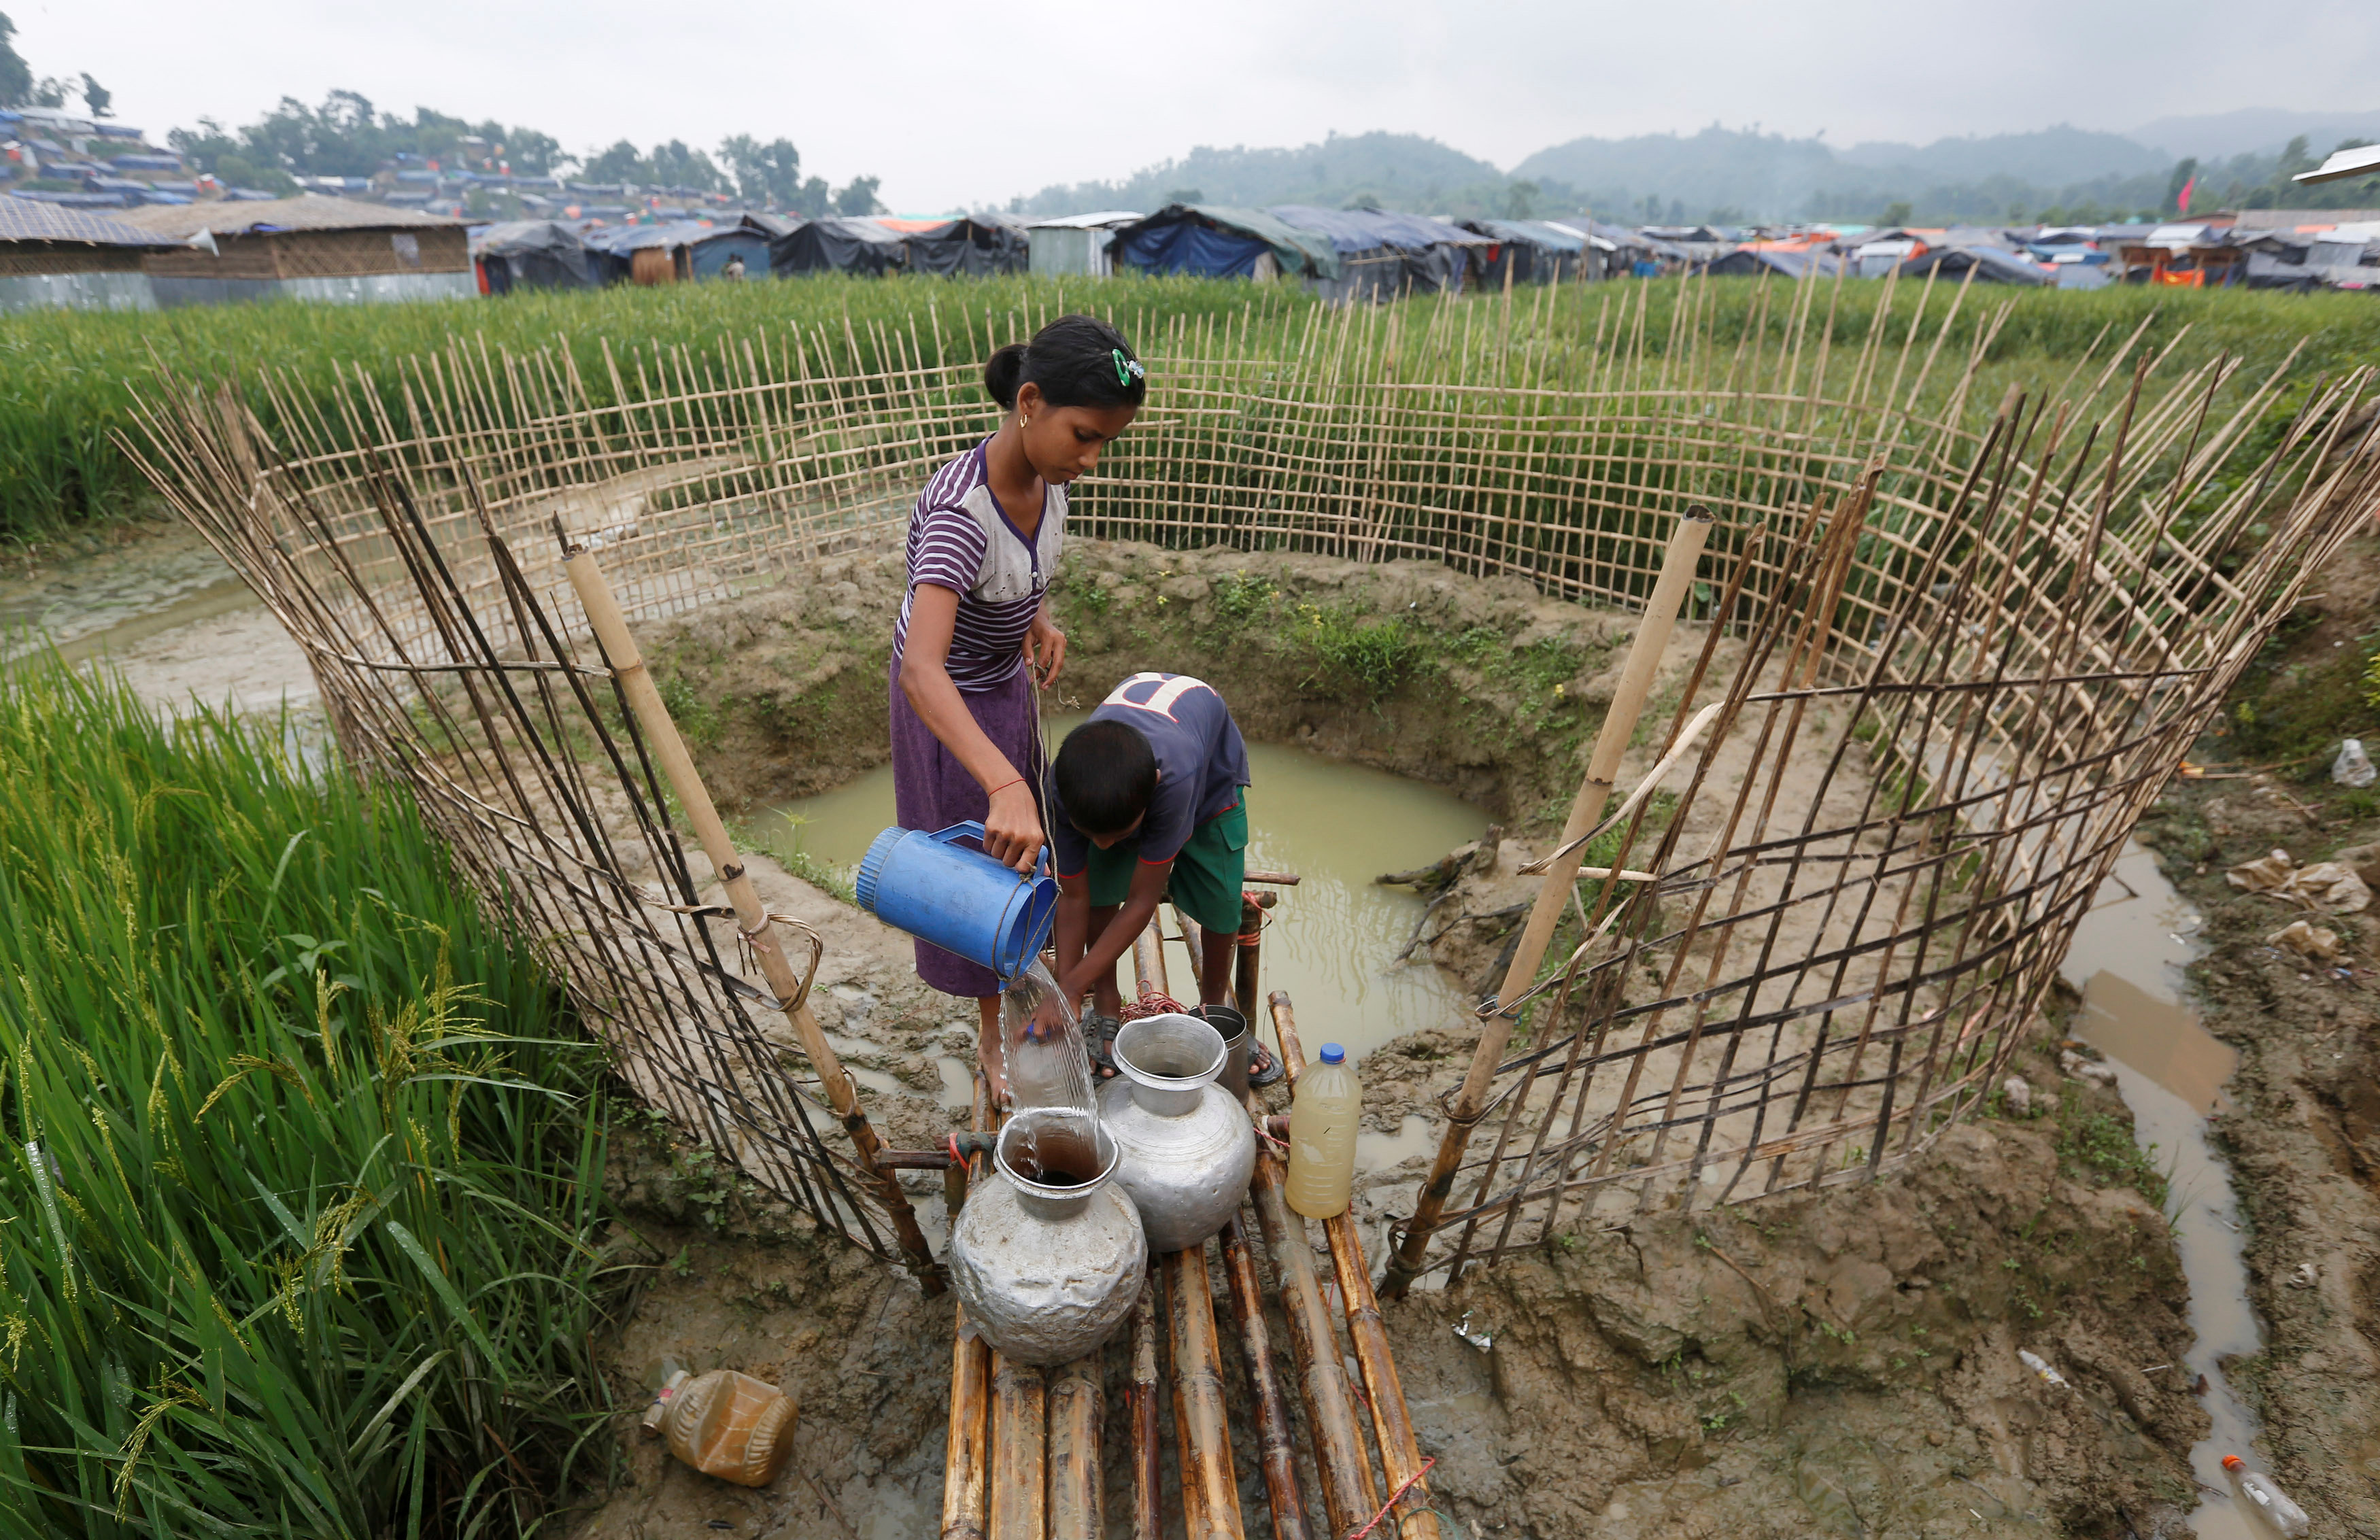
column 1953, row 651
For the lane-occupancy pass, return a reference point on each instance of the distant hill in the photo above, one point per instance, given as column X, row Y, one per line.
column 1398, row 171
column 1729, row 175
column 2255, row 131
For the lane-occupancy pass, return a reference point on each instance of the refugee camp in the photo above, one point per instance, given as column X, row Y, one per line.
column 1159, row 779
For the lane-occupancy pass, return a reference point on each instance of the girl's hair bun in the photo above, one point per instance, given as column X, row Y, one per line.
column 1077, row 360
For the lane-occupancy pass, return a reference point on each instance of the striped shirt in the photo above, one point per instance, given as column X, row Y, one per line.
column 961, row 539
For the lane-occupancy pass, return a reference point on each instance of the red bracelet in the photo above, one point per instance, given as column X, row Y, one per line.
column 1001, row 787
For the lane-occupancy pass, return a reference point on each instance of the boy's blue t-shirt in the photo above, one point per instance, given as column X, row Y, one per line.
column 1201, row 765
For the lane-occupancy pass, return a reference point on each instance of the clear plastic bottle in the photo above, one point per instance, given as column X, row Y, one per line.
column 731, row 1425
column 1323, row 1121
column 2270, row 1502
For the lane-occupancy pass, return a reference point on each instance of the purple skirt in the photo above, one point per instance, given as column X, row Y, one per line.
column 931, row 790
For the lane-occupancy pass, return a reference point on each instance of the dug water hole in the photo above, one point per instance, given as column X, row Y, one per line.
column 1332, row 940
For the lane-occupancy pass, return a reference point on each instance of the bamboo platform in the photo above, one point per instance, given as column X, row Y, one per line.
column 1026, row 1460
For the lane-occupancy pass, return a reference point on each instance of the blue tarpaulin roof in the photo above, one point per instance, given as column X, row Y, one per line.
column 1221, row 242
column 1535, row 232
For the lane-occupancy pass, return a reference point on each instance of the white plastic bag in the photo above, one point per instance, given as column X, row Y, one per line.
column 2353, row 767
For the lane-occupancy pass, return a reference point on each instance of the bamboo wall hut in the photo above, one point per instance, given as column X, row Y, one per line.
column 681, row 251
column 71, row 259
column 326, row 250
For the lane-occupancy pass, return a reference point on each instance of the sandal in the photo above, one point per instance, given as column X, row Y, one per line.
column 1099, row 1040
column 1263, row 1068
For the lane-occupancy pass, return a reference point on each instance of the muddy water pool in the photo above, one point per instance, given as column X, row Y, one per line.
column 2126, row 959
column 1332, row 938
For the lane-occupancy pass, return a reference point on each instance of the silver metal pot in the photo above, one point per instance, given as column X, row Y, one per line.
column 1185, row 1148
column 1237, row 1040
column 1048, row 1269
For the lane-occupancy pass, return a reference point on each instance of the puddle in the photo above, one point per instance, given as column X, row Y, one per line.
column 1337, row 826
column 2126, row 959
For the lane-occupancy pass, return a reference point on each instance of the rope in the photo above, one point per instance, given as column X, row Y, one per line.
column 1400, row 1492
column 1153, row 1004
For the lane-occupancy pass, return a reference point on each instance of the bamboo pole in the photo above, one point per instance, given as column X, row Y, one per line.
column 1148, row 960
column 1243, row 981
column 1276, row 1444
column 1148, row 1511
column 644, row 698
column 1400, row 1458
column 964, row 1492
column 1554, row 895
column 1210, row 1493
column 1077, row 1408
column 1020, row 1451
column 1349, row 1495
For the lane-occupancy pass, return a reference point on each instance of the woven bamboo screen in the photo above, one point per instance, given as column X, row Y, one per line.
column 1950, row 666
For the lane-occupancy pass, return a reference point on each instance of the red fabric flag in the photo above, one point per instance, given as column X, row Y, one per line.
column 2183, row 201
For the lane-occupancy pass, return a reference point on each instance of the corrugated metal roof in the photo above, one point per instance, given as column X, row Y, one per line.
column 310, row 213
column 22, row 219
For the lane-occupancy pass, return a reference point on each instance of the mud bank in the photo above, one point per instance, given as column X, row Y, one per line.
column 2302, row 1132
column 1484, row 687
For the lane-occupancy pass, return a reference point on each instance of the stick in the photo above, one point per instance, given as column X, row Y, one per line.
column 1019, row 1451
column 1078, row 1407
column 1611, row 742
column 1148, row 960
column 964, row 1492
column 1400, row 1451
column 751, row 916
column 1147, row 1513
column 1276, row 1445
column 1211, row 1494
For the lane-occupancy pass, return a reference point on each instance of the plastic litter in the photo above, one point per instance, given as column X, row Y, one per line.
column 2353, row 767
column 2271, row 1502
column 2016, row 1095
column 2040, row 1366
column 2316, row 943
column 724, row 1424
column 2327, row 887
column 1483, row 1341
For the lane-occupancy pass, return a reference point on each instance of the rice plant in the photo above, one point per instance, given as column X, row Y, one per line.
column 67, row 378
column 302, row 1158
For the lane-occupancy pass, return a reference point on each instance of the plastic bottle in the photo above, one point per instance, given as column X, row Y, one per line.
column 2271, row 1502
column 730, row 1425
column 1322, row 1120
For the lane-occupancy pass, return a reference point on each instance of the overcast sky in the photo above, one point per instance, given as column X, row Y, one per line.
column 957, row 104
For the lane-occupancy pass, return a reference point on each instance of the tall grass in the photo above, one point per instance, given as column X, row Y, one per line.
column 68, row 380
column 302, row 1158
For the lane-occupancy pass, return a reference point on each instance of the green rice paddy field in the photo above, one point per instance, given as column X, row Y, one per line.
column 67, row 380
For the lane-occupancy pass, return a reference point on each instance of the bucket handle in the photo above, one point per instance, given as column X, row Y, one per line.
column 972, row 829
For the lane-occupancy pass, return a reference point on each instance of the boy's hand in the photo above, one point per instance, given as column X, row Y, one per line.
column 1048, row 1021
column 1045, row 649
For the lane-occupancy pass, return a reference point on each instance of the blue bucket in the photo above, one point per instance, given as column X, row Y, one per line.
column 957, row 897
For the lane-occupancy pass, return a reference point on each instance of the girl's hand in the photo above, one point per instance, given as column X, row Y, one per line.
column 1011, row 827
column 1045, row 649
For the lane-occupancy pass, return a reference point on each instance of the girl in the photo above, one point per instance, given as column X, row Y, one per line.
column 974, row 636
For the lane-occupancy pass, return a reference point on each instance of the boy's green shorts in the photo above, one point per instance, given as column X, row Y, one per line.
column 1207, row 877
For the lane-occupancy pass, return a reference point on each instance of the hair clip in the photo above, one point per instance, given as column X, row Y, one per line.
column 1127, row 369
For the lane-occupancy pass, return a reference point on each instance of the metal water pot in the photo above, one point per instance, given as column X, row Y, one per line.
column 1186, row 1148
column 1048, row 1260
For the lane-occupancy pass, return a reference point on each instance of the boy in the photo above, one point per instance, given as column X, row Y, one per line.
column 1144, row 802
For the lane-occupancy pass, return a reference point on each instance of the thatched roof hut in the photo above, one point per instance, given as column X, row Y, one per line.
column 307, row 247
column 52, row 256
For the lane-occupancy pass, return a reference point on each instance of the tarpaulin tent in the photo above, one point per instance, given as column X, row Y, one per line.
column 1991, row 265
column 1209, row 240
column 859, row 246
column 531, row 254
column 1382, row 255
column 1751, row 261
column 980, row 247
column 682, row 251
column 1533, row 251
